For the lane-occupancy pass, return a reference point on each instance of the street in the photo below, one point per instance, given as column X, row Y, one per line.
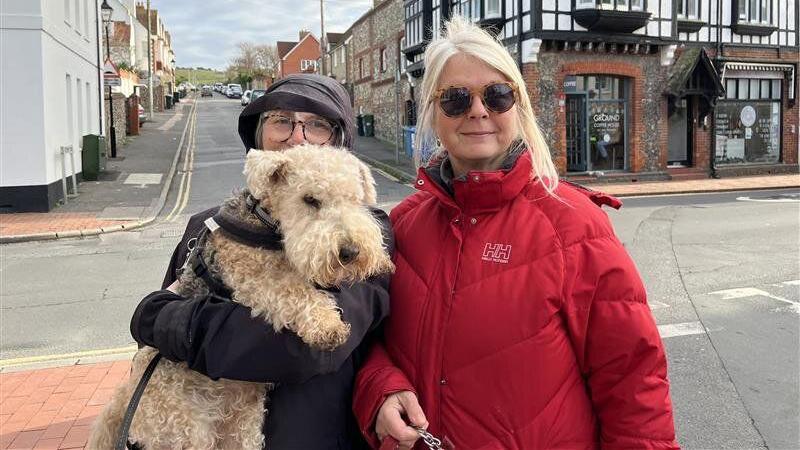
column 721, row 271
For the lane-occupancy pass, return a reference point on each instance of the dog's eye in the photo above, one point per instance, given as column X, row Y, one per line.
column 311, row 201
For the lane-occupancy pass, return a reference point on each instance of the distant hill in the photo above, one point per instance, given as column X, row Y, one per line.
column 199, row 76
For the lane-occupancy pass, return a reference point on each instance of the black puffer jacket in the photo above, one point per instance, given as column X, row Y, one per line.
column 311, row 406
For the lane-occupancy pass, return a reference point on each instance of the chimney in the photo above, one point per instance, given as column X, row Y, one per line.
column 303, row 33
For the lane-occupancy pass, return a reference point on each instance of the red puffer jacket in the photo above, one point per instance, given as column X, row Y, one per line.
column 519, row 320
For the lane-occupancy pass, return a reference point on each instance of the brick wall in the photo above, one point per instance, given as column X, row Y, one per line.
column 307, row 49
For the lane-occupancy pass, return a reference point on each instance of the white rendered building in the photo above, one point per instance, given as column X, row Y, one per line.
column 50, row 96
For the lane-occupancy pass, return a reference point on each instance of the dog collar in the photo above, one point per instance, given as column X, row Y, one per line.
column 268, row 236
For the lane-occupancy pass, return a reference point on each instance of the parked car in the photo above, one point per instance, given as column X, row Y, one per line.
column 246, row 97
column 218, row 87
column 142, row 114
column 234, row 91
column 206, row 91
column 256, row 93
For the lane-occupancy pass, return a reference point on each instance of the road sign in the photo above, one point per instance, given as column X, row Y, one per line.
column 111, row 74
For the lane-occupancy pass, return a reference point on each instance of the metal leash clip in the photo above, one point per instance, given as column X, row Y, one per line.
column 430, row 440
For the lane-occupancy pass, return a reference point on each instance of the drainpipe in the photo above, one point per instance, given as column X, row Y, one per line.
column 100, row 130
column 519, row 34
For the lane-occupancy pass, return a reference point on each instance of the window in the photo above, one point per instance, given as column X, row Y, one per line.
column 77, row 11
column 360, row 68
column 748, row 122
column 69, row 115
column 402, row 62
column 79, row 98
column 619, row 5
column 86, row 19
column 88, row 109
column 493, row 9
column 383, row 59
column 308, row 64
column 754, row 11
column 597, row 123
column 475, row 12
column 689, row 9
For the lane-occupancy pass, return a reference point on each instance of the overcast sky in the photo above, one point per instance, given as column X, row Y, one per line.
column 205, row 34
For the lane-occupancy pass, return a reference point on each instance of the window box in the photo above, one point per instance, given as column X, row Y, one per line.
column 689, row 25
column 614, row 21
column 754, row 29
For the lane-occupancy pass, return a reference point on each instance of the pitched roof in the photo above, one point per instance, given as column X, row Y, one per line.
column 285, row 47
column 334, row 38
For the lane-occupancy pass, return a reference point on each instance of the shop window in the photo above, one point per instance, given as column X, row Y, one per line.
column 597, row 123
column 748, row 122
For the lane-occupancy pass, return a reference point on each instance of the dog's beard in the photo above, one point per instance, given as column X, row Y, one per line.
column 324, row 267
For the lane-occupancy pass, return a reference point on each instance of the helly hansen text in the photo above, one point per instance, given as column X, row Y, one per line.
column 498, row 253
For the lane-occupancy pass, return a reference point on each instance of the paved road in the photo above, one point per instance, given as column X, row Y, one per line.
column 721, row 271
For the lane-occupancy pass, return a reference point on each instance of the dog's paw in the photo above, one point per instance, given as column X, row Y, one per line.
column 326, row 329
column 336, row 336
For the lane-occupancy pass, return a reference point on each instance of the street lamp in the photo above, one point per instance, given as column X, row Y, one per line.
column 106, row 10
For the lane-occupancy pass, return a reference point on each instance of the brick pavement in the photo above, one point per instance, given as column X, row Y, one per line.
column 54, row 408
column 34, row 223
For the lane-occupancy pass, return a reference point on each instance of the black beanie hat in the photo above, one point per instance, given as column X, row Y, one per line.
column 305, row 92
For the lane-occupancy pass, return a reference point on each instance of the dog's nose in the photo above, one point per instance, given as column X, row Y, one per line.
column 347, row 253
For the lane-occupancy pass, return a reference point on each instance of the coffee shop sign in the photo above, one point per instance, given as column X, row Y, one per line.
column 603, row 117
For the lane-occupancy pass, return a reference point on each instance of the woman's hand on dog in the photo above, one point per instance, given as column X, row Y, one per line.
column 391, row 422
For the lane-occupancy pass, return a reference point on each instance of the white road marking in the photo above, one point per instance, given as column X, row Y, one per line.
column 45, row 358
column 655, row 304
column 680, row 329
column 731, row 294
column 143, row 178
column 792, row 283
column 768, row 200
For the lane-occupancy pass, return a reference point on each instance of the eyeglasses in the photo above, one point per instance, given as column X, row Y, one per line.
column 315, row 131
column 496, row 97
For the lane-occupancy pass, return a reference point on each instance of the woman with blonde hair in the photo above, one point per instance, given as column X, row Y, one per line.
column 518, row 320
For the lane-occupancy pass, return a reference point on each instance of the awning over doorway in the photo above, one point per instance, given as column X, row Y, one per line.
column 693, row 74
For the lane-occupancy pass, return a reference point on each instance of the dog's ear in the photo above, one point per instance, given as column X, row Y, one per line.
column 370, row 195
column 264, row 168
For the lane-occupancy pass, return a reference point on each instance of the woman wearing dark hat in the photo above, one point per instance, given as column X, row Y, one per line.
column 311, row 406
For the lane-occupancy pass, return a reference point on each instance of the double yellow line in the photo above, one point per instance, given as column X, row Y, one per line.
column 186, row 176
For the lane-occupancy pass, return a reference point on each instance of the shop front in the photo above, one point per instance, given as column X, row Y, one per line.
column 596, row 119
column 748, row 120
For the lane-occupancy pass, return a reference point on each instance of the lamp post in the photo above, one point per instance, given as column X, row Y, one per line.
column 106, row 10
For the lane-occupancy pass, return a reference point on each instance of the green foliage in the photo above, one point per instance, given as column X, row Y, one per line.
column 125, row 66
column 199, row 76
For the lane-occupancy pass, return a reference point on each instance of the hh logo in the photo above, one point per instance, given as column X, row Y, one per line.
column 498, row 253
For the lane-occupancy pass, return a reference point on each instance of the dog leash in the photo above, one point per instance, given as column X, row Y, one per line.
column 431, row 441
column 122, row 441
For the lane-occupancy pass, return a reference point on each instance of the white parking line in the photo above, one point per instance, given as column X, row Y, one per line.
column 680, row 329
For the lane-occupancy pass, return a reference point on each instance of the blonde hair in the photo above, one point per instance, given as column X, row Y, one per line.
column 461, row 37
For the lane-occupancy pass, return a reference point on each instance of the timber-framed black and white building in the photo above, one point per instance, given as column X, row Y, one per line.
column 646, row 88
